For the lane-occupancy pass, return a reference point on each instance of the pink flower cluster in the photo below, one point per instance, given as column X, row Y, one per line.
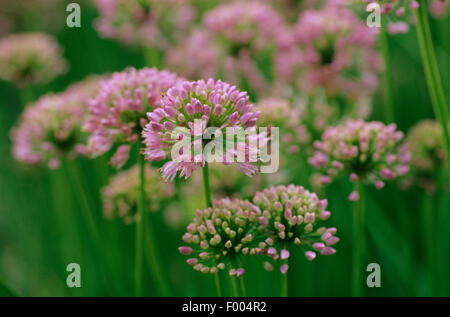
column 117, row 113
column 120, row 197
column 371, row 151
column 30, row 58
column 293, row 215
column 188, row 110
column 425, row 143
column 143, row 21
column 400, row 11
column 330, row 49
column 51, row 128
column 220, row 234
column 232, row 36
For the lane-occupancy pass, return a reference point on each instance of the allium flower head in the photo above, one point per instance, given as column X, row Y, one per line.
column 196, row 109
column 144, row 21
column 30, row 58
column 220, row 235
column 233, row 38
column 368, row 150
column 399, row 13
column 117, row 113
column 292, row 215
column 331, row 49
column 121, row 195
column 428, row 156
column 51, row 128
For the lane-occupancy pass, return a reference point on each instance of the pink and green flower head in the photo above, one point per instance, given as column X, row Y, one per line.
column 293, row 216
column 370, row 151
column 51, row 128
column 221, row 235
column 120, row 197
column 144, row 22
column 194, row 113
column 398, row 13
column 428, row 156
column 330, row 49
column 30, row 58
column 118, row 112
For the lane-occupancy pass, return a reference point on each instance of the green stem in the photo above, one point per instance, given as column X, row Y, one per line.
column 208, row 203
column 387, row 78
column 234, row 285
column 139, row 242
column 358, row 242
column 218, row 286
column 206, row 186
column 145, row 235
column 430, row 241
column 284, row 285
column 431, row 69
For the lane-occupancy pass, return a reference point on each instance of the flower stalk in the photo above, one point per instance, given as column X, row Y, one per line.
column 358, row 242
column 432, row 76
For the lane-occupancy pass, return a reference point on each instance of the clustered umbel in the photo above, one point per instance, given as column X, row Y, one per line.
column 218, row 236
column 278, row 219
column 330, row 49
column 399, row 12
column 30, row 58
column 51, row 128
column 120, row 197
column 143, row 22
column 292, row 215
column 233, row 36
column 371, row 151
column 118, row 112
column 425, row 143
column 187, row 112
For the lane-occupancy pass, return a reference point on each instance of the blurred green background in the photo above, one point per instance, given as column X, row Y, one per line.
column 42, row 227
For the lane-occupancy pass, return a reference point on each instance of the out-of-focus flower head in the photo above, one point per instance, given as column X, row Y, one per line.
column 120, row 196
column 330, row 49
column 197, row 57
column 219, row 235
column 30, row 58
column 292, row 215
column 192, row 113
column 51, row 128
column 439, row 8
column 398, row 13
column 144, row 22
column 278, row 112
column 117, row 113
column 234, row 39
column 428, row 156
column 371, row 151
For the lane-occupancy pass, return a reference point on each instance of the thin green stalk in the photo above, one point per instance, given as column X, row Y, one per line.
column 206, row 186
column 139, row 242
column 358, row 242
column 234, row 285
column 145, row 235
column 87, row 209
column 208, row 203
column 217, row 282
column 432, row 76
column 284, row 285
column 430, row 241
column 387, row 78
